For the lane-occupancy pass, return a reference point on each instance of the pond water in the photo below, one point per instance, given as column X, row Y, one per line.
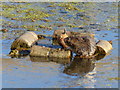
column 44, row 18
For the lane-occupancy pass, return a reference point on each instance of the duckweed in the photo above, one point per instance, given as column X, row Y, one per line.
column 70, row 6
column 71, row 25
column 63, row 14
column 42, row 26
column 114, row 78
column 27, row 14
column 32, row 15
column 30, row 27
column 8, row 14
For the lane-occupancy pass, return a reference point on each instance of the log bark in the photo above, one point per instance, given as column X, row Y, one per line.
column 59, row 53
column 49, row 52
column 24, row 41
column 40, row 51
column 103, row 46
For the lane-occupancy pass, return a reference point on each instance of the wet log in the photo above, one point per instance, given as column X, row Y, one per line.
column 24, row 41
column 49, row 52
column 59, row 53
column 103, row 46
column 40, row 51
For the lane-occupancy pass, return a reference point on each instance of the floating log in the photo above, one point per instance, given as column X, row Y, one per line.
column 103, row 46
column 49, row 52
column 24, row 41
column 40, row 51
column 59, row 53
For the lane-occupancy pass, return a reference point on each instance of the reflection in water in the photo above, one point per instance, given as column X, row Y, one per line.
column 19, row 54
column 48, row 59
column 80, row 66
column 88, row 80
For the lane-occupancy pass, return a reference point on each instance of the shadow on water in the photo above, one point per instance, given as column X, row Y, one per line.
column 82, row 66
column 79, row 66
column 76, row 67
column 49, row 59
column 19, row 54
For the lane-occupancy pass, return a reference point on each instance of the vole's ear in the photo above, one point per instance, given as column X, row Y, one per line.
column 64, row 31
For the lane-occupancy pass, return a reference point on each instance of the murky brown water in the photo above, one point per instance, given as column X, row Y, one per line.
column 27, row 72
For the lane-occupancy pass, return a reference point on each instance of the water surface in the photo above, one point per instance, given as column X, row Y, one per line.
column 27, row 72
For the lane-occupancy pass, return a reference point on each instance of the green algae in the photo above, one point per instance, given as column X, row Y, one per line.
column 30, row 27
column 70, row 6
column 45, row 27
column 45, row 16
column 31, row 15
column 72, row 25
column 28, row 14
column 8, row 14
column 114, row 78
